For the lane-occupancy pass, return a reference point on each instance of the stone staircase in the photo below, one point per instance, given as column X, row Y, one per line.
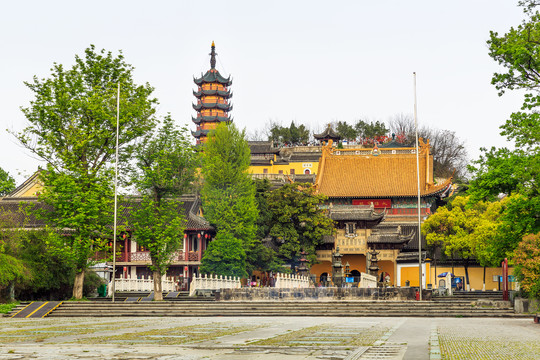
column 459, row 308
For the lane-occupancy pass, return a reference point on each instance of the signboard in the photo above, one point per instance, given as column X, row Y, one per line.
column 377, row 203
column 349, row 279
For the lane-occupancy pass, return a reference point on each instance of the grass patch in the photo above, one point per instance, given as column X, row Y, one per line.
column 171, row 336
column 5, row 308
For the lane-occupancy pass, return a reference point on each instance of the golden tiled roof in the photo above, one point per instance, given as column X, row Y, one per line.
column 349, row 174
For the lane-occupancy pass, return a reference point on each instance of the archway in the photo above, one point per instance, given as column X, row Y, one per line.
column 307, row 172
column 356, row 275
column 323, row 279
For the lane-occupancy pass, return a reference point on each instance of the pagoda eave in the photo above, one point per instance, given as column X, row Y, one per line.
column 204, row 119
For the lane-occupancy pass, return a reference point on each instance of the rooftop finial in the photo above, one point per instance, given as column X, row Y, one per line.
column 213, row 56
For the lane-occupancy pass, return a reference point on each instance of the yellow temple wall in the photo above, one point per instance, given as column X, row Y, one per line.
column 476, row 275
column 298, row 167
column 322, row 267
column 356, row 262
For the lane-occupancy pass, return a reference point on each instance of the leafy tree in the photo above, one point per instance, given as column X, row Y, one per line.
column 298, row 221
column 7, row 183
column 72, row 127
column 370, row 130
column 514, row 173
column 346, row 131
column 527, row 264
column 228, row 194
column 225, row 256
column 165, row 169
column 463, row 229
column 292, row 135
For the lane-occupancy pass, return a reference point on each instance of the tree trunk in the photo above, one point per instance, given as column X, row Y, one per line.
column 158, row 291
column 78, row 285
column 466, row 266
column 484, row 280
column 11, row 292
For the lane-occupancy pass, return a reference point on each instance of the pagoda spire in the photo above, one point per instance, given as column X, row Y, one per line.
column 213, row 96
column 213, row 56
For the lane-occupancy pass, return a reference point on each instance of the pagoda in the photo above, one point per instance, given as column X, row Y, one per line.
column 212, row 100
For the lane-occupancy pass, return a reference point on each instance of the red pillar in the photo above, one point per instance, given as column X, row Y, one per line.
column 200, row 246
column 125, row 248
column 185, row 247
column 505, row 279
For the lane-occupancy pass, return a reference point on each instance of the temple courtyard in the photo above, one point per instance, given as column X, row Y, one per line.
column 281, row 338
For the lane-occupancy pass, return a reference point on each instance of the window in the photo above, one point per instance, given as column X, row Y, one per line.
column 307, row 172
column 265, row 171
column 292, row 171
column 350, row 228
column 281, row 172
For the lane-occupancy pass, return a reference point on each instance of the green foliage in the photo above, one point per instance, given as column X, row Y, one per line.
column 346, row 131
column 292, row 135
column 527, row 264
column 262, row 191
column 11, row 270
column 73, row 114
column 78, row 214
column 73, row 128
column 225, row 256
column 159, row 227
column 5, row 308
column 7, row 183
column 464, row 229
column 228, row 193
column 228, row 197
column 370, row 130
column 165, row 169
column 298, row 221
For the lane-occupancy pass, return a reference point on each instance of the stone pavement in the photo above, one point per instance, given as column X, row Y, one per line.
column 269, row 338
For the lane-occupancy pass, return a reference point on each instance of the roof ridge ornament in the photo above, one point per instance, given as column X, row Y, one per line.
column 213, row 56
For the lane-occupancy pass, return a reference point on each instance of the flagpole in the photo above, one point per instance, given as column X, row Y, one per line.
column 115, row 192
column 418, row 182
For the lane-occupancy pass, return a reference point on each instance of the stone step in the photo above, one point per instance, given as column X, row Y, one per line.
column 301, row 308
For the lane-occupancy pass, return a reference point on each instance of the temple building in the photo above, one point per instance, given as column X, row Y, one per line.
column 372, row 196
column 213, row 96
column 327, row 135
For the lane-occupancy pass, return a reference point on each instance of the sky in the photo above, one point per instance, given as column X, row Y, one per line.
column 313, row 62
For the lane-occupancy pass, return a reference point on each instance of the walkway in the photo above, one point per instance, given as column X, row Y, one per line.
column 268, row 338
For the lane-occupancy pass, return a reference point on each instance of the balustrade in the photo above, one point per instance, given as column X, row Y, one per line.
column 213, row 282
column 134, row 284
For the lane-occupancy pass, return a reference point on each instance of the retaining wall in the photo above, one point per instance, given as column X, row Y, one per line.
column 319, row 294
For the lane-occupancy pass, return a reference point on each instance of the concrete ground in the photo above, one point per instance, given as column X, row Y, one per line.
column 283, row 338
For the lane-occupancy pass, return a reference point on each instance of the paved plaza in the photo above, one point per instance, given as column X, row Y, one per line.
column 280, row 338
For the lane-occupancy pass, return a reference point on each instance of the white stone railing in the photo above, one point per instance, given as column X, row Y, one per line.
column 132, row 284
column 367, row 281
column 288, row 281
column 213, row 282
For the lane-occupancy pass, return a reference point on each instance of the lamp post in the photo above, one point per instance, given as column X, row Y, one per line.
column 337, row 268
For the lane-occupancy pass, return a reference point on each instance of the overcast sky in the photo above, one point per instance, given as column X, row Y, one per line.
column 308, row 61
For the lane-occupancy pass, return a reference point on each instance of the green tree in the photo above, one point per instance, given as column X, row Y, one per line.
column 165, row 169
column 225, row 256
column 72, row 126
column 515, row 173
column 298, row 221
column 370, row 130
column 7, row 183
column 527, row 264
column 228, row 194
column 464, row 230
column 346, row 131
column 292, row 135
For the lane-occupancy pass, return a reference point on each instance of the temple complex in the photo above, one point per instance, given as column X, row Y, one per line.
column 213, row 96
column 372, row 196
